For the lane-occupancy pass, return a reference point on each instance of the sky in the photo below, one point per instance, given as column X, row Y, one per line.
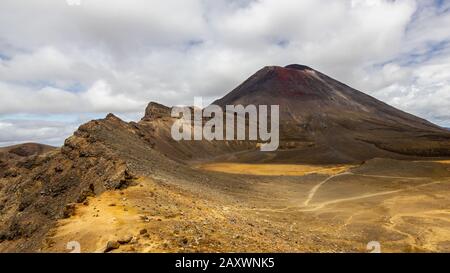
column 65, row 62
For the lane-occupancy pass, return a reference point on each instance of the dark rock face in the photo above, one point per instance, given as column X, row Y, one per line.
column 155, row 110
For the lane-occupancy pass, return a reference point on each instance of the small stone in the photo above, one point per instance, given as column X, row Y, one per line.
column 111, row 245
column 69, row 210
column 125, row 240
column 143, row 231
column 184, row 242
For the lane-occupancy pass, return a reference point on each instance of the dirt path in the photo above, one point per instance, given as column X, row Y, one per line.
column 411, row 239
column 340, row 200
column 367, row 195
column 390, row 177
column 316, row 187
column 313, row 191
column 314, row 207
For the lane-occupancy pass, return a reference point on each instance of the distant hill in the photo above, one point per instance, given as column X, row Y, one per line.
column 26, row 149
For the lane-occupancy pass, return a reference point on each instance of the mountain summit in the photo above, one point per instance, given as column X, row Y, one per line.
column 335, row 121
column 304, row 92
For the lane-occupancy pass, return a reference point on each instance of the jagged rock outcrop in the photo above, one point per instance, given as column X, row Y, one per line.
column 156, row 111
column 43, row 185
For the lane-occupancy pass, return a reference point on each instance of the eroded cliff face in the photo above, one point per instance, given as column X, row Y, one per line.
column 40, row 189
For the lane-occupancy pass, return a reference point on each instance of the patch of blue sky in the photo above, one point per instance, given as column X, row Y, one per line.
column 440, row 3
column 440, row 8
column 4, row 57
column 191, row 44
column 433, row 50
column 37, row 84
column 282, row 43
column 74, row 87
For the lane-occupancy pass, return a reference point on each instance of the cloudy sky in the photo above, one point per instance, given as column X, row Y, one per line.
column 62, row 64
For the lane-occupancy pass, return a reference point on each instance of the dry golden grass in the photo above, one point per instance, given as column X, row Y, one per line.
column 274, row 169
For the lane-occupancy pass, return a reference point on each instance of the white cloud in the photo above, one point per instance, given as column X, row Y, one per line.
column 98, row 98
column 19, row 131
column 423, row 90
column 101, row 98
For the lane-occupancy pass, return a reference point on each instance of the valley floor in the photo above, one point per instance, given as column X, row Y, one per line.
column 405, row 206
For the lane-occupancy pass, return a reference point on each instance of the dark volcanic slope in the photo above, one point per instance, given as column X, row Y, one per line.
column 339, row 122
